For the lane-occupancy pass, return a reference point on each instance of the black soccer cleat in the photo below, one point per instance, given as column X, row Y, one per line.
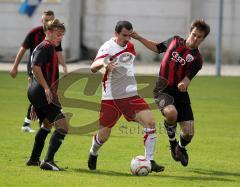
column 155, row 167
column 182, row 155
column 33, row 163
column 49, row 165
column 92, row 162
column 173, row 145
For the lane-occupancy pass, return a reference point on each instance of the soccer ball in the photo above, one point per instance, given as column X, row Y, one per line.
column 140, row 166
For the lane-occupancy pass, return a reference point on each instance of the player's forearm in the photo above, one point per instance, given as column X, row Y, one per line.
column 186, row 81
column 38, row 74
column 19, row 56
column 97, row 65
column 61, row 59
column 148, row 43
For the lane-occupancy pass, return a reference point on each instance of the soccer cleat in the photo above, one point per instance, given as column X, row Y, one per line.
column 50, row 165
column 92, row 162
column 181, row 154
column 155, row 167
column 27, row 128
column 33, row 163
column 173, row 145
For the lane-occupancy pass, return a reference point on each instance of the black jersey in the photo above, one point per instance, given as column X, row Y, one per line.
column 32, row 40
column 44, row 56
column 178, row 60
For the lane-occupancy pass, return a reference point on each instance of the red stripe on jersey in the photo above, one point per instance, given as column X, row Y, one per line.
column 166, row 58
column 55, row 65
column 105, row 77
column 129, row 48
column 103, row 56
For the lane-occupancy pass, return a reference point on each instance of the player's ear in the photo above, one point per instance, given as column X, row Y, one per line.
column 116, row 34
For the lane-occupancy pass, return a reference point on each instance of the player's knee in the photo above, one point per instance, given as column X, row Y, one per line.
column 171, row 114
column 150, row 124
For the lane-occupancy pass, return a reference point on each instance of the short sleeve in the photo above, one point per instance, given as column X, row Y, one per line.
column 39, row 56
column 194, row 67
column 162, row 47
column 59, row 48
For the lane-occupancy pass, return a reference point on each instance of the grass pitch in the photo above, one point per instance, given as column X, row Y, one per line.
column 214, row 152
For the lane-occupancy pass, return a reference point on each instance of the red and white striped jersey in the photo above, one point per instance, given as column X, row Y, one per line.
column 120, row 82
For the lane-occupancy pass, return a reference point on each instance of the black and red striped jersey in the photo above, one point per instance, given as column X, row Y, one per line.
column 32, row 40
column 45, row 56
column 178, row 61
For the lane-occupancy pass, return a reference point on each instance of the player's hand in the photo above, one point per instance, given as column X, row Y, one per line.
column 110, row 63
column 182, row 87
column 65, row 71
column 111, row 66
column 33, row 114
column 135, row 35
column 49, row 95
column 13, row 72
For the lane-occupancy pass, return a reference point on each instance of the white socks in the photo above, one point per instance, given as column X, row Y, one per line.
column 150, row 138
column 96, row 144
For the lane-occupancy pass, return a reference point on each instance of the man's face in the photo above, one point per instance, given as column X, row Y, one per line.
column 56, row 36
column 46, row 18
column 195, row 38
column 123, row 37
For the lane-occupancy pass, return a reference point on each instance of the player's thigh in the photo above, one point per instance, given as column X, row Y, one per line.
column 132, row 106
column 185, row 112
column 54, row 116
column 109, row 114
column 145, row 117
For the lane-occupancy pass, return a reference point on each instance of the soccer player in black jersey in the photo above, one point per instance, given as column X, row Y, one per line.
column 33, row 38
column 42, row 93
column 181, row 62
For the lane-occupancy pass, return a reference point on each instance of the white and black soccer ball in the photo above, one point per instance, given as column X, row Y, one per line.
column 140, row 166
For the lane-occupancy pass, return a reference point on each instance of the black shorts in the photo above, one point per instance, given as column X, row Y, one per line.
column 181, row 101
column 29, row 69
column 50, row 112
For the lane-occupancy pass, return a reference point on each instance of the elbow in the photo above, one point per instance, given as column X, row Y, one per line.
column 93, row 70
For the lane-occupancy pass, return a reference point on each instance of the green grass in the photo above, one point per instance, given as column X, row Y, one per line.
column 214, row 152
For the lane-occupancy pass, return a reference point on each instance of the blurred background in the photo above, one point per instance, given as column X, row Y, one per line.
column 90, row 23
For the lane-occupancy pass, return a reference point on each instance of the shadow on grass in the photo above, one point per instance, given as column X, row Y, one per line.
column 211, row 176
column 214, row 172
column 103, row 172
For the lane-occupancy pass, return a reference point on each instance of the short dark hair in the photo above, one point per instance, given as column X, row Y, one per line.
column 48, row 13
column 123, row 24
column 201, row 25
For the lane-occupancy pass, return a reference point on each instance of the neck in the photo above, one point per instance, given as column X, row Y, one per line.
column 189, row 46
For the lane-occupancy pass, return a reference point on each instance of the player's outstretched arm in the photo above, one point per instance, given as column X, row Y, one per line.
column 147, row 43
column 13, row 72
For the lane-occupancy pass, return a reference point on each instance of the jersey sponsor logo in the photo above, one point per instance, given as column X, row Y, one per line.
column 177, row 58
column 125, row 57
column 189, row 58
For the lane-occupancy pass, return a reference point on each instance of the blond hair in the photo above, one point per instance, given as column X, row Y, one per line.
column 52, row 24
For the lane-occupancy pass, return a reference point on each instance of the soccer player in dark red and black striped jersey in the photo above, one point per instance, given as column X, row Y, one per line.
column 33, row 38
column 42, row 93
column 181, row 62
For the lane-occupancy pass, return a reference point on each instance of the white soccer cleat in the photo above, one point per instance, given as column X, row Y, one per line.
column 27, row 129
